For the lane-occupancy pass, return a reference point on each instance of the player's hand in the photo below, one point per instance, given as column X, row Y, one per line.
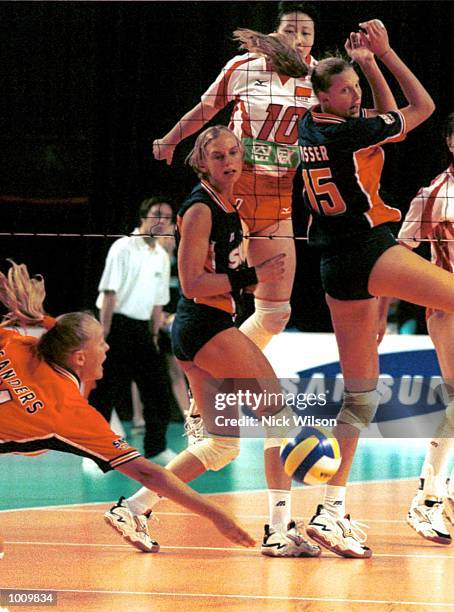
column 357, row 48
column 376, row 36
column 272, row 269
column 228, row 526
column 163, row 151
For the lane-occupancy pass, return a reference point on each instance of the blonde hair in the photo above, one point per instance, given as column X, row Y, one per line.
column 275, row 47
column 197, row 155
column 69, row 333
column 24, row 297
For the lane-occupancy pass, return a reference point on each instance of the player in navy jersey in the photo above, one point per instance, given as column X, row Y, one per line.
column 208, row 346
column 341, row 164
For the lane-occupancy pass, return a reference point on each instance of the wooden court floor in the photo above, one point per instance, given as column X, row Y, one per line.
column 70, row 550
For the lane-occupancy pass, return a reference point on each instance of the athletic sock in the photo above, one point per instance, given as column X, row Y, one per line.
column 334, row 500
column 279, row 503
column 143, row 501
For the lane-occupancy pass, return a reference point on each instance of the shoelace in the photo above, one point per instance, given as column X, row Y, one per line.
column 436, row 509
column 357, row 530
column 193, row 426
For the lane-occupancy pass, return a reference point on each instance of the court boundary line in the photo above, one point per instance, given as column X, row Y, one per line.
column 231, row 549
column 311, row 487
column 248, row 597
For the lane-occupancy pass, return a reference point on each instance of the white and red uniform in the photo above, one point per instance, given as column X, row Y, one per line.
column 267, row 110
column 431, row 215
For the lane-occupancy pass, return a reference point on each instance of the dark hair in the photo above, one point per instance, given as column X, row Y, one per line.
column 284, row 8
column 449, row 125
column 325, row 70
column 149, row 202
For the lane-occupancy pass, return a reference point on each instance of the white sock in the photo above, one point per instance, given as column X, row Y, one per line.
column 334, row 500
column 450, row 484
column 280, row 508
column 435, row 469
column 143, row 501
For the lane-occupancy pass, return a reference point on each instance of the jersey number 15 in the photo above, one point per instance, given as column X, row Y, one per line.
column 323, row 194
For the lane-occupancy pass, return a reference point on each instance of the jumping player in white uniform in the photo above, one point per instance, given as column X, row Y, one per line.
column 268, row 106
column 431, row 215
column 268, row 103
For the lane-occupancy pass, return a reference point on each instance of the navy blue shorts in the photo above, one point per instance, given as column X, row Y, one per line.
column 345, row 271
column 194, row 325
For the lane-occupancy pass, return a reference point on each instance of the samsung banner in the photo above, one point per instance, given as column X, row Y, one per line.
column 412, row 395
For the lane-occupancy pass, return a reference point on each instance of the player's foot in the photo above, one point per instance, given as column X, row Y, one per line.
column 426, row 518
column 342, row 536
column 448, row 508
column 193, row 429
column 289, row 543
column 133, row 527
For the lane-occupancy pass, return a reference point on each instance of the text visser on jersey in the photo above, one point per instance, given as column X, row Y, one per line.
column 225, row 248
column 342, row 162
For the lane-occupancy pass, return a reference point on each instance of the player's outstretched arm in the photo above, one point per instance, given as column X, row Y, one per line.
column 168, row 485
column 420, row 104
column 190, row 123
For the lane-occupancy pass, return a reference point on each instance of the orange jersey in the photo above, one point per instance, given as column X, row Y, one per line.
column 41, row 408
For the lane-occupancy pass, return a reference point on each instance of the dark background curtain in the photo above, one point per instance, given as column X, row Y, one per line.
column 87, row 86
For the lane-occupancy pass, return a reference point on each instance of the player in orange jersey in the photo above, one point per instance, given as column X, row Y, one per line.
column 269, row 99
column 42, row 407
column 360, row 258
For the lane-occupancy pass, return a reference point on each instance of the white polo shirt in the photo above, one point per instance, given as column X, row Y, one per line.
column 138, row 274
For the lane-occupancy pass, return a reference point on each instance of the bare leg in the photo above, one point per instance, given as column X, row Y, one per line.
column 356, row 326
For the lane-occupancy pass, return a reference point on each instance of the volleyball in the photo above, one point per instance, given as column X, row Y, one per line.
column 310, row 455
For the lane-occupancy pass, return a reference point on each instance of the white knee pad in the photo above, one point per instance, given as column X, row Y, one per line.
column 358, row 409
column 269, row 319
column 215, row 453
column 272, row 316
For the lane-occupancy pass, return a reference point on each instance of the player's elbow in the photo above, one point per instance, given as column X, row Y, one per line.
column 191, row 288
column 428, row 107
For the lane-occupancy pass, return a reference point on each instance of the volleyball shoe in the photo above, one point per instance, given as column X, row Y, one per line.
column 133, row 527
column 288, row 543
column 426, row 518
column 342, row 536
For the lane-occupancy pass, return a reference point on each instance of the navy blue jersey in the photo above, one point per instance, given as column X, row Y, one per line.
column 342, row 162
column 225, row 243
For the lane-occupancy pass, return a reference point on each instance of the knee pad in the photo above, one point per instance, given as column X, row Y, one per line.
column 215, row 453
column 272, row 316
column 358, row 409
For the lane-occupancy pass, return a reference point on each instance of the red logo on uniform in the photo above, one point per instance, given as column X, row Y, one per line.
column 303, row 92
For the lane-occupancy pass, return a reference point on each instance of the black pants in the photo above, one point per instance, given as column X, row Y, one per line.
column 133, row 357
